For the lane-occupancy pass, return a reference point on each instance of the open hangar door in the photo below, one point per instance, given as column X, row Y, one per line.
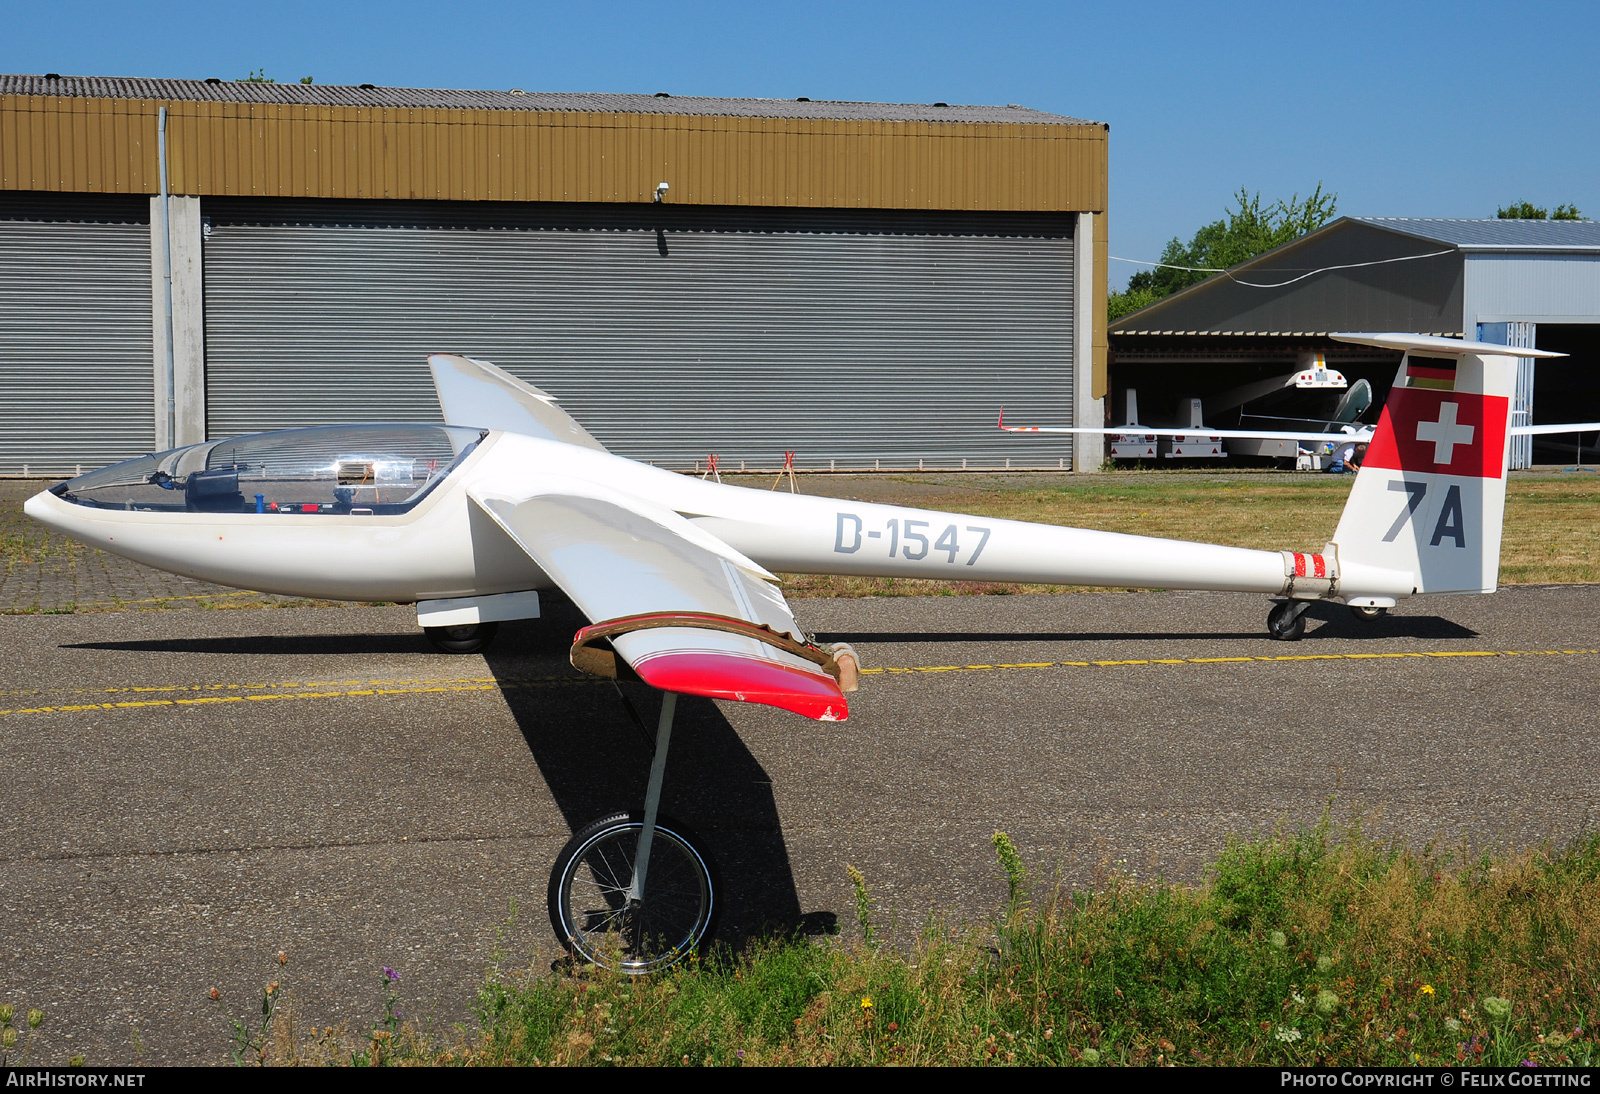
column 1167, row 372
column 860, row 337
column 75, row 334
column 1567, row 389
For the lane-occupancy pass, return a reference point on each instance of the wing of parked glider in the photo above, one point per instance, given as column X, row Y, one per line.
column 686, row 612
column 1362, row 434
column 477, row 393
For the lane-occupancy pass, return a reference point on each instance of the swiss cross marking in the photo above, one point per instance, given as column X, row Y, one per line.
column 1441, row 432
column 1445, row 433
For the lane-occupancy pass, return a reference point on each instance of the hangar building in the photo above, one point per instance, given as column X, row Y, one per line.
column 1532, row 283
column 863, row 284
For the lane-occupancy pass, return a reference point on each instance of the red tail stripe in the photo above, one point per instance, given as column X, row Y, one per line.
column 1299, row 565
column 1319, row 567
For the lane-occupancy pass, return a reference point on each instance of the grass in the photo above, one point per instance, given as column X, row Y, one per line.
column 1326, row 945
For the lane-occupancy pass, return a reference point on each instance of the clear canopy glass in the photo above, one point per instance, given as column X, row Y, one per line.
column 350, row 469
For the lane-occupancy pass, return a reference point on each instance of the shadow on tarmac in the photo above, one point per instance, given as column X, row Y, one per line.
column 1326, row 621
column 273, row 645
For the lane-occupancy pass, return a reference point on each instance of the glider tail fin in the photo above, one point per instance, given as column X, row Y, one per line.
column 1426, row 509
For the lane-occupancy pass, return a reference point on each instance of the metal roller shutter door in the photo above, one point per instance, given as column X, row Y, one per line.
column 75, row 336
column 848, row 336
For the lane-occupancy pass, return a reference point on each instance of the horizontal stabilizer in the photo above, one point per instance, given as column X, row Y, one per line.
column 1435, row 345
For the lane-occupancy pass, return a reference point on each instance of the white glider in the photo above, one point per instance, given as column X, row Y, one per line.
column 470, row 520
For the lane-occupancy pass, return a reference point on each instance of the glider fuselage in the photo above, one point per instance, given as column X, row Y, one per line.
column 446, row 547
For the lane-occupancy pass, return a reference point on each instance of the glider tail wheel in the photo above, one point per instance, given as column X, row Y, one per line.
column 1287, row 621
column 463, row 638
column 600, row 921
column 1361, row 612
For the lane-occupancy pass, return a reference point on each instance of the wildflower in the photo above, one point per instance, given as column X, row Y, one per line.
column 8, row 1037
column 390, row 975
column 1497, row 1007
column 1287, row 1035
column 1556, row 1038
column 1327, row 1002
column 272, row 987
column 7, row 1012
column 215, row 994
column 866, row 1002
column 1324, row 963
column 1426, row 989
column 35, row 1018
column 1278, row 940
column 1091, row 1056
column 75, row 1061
column 740, row 1054
column 894, row 1027
column 283, row 958
column 1452, row 1024
column 1298, row 998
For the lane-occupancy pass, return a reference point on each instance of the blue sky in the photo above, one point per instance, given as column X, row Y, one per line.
column 1403, row 109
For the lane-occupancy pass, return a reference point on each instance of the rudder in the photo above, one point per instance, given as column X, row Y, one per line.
column 1426, row 511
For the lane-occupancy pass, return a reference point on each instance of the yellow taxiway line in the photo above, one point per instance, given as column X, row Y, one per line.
column 193, row 695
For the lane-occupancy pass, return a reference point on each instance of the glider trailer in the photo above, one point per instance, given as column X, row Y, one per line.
column 471, row 519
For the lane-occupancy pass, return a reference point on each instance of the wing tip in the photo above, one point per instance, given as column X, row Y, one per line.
column 717, row 675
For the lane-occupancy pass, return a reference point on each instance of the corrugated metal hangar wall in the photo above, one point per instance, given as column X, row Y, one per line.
column 75, row 331
column 856, row 337
column 670, row 333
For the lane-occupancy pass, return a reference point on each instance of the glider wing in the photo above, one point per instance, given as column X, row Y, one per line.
column 687, row 612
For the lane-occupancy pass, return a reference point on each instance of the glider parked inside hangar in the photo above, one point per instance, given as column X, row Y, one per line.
column 471, row 519
column 1141, row 441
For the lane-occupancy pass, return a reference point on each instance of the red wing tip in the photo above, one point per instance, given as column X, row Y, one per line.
column 746, row 680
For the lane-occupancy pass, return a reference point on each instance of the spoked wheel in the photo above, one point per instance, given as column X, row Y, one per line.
column 1287, row 621
column 588, row 896
column 463, row 638
column 1363, row 612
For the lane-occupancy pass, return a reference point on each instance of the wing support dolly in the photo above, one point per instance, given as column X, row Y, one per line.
column 652, row 800
column 633, row 892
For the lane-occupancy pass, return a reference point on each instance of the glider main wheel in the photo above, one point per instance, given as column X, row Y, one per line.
column 463, row 638
column 1367, row 612
column 1287, row 621
column 589, row 905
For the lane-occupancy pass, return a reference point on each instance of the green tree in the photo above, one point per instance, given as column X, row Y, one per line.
column 1247, row 231
column 259, row 76
column 1527, row 210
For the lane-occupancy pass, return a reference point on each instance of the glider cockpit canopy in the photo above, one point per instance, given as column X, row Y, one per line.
column 343, row 469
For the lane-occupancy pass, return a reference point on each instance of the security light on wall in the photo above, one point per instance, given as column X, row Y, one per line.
column 661, row 190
